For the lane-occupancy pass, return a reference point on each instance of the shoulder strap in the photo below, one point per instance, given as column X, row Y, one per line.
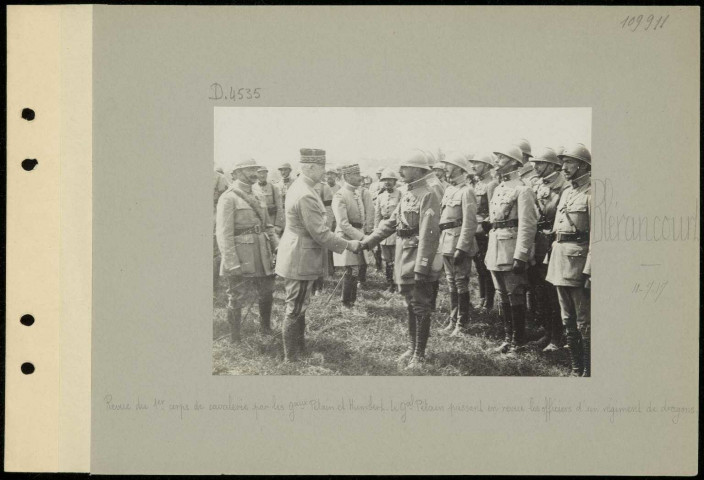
column 249, row 201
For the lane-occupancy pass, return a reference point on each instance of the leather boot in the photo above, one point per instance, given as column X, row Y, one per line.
column 347, row 283
column 265, row 315
column 422, row 335
column 530, row 300
column 454, row 312
column 362, row 273
column 482, row 294
column 490, row 293
column 586, row 356
column 555, row 330
column 290, row 336
column 434, row 295
column 377, row 258
column 508, row 328
column 518, row 318
column 355, row 286
column 390, row 277
column 301, row 331
column 576, row 354
column 411, row 336
column 463, row 318
column 234, row 318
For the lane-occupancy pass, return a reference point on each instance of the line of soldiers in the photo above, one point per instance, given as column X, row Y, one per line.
column 522, row 220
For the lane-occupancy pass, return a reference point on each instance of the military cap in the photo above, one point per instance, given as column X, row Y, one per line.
column 485, row 157
column 285, row 165
column 350, row 169
column 313, row 155
column 388, row 174
column 547, row 154
column 334, row 171
column 262, row 169
column 512, row 151
column 579, row 152
column 459, row 160
column 418, row 159
column 244, row 162
column 524, row 145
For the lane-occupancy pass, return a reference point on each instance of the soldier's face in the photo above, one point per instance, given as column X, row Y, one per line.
column 285, row 172
column 354, row 179
column 262, row 176
column 411, row 174
column 571, row 168
column 389, row 183
column 247, row 175
column 543, row 169
column 330, row 179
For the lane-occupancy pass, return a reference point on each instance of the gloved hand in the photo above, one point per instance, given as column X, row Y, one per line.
column 421, row 277
column 486, row 226
column 459, row 257
column 519, row 266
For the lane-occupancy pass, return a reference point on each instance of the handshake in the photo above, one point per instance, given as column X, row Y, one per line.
column 356, row 246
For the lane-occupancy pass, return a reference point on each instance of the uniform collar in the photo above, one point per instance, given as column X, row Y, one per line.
column 418, row 183
column 507, row 177
column 580, row 181
column 286, row 180
column 349, row 187
column 486, row 176
column 308, row 181
column 245, row 187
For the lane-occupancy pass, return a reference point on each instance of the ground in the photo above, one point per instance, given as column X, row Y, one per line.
column 367, row 339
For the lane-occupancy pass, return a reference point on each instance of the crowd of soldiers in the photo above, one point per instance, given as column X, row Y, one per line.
column 521, row 219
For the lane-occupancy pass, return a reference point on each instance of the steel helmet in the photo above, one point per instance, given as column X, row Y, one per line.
column 285, row 165
column 485, row 157
column 417, row 159
column 459, row 160
column 547, row 154
column 579, row 152
column 244, row 161
column 388, row 174
column 524, row 145
column 513, row 152
column 559, row 150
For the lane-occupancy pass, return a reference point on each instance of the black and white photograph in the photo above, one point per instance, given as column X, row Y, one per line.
column 402, row 241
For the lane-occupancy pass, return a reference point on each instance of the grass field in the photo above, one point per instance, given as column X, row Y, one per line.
column 367, row 339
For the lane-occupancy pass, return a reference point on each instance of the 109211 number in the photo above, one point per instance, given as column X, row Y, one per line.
column 649, row 22
column 218, row 92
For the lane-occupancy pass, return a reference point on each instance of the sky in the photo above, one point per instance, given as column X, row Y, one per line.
column 375, row 137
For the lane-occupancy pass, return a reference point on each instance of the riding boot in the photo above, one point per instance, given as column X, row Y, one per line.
column 574, row 341
column 291, row 338
column 530, row 300
column 554, row 330
column 463, row 318
column 490, row 293
column 347, row 284
column 422, row 335
column 454, row 311
column 587, row 356
column 434, row 295
column 301, row 331
column 377, row 258
column 354, row 287
column 390, row 277
column 518, row 318
column 234, row 318
column 482, row 293
column 411, row 336
column 362, row 273
column 265, row 314
column 508, row 328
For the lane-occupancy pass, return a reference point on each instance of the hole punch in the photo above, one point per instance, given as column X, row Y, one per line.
column 27, row 368
column 27, row 320
column 28, row 114
column 29, row 164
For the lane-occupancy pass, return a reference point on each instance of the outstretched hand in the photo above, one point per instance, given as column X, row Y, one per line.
column 354, row 246
column 519, row 266
column 459, row 257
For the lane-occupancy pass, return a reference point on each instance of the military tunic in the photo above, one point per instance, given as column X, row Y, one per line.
column 274, row 203
column 354, row 215
column 548, row 192
column 484, row 187
column 386, row 203
column 457, row 231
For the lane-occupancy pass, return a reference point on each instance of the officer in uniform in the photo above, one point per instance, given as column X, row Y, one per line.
column 376, row 188
column 325, row 193
column 458, row 226
column 331, row 177
column 548, row 192
column 354, row 214
column 438, row 187
column 484, row 187
column 514, row 218
column 286, row 180
column 415, row 222
column 300, row 259
column 247, row 240
column 569, row 267
column 386, row 203
column 274, row 203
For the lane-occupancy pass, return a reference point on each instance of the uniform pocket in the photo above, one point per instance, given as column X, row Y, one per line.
column 244, row 246
column 311, row 261
column 574, row 259
column 505, row 247
column 409, row 252
column 448, row 241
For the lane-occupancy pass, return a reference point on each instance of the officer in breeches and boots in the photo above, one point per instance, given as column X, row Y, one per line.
column 274, row 202
column 514, row 218
column 351, row 206
column 415, row 222
column 484, row 187
column 569, row 267
column 386, row 202
column 458, row 226
column 548, row 192
column 247, row 243
column 300, row 259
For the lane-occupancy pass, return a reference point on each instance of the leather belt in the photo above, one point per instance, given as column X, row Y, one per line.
column 505, row 224
column 407, row 232
column 327, row 203
column 356, row 225
column 456, row 223
column 247, row 231
column 572, row 237
column 544, row 224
